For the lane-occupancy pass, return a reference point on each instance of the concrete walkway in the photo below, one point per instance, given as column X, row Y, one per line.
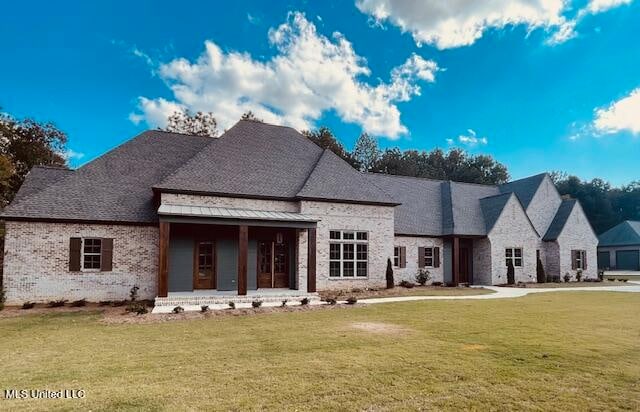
column 503, row 293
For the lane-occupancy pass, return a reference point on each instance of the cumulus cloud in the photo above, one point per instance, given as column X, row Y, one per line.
column 621, row 115
column 470, row 139
column 309, row 75
column 455, row 23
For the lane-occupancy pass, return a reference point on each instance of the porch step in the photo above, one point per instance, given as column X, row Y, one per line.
column 173, row 301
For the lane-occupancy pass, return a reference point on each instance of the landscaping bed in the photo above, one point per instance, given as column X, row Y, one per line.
column 555, row 285
column 416, row 290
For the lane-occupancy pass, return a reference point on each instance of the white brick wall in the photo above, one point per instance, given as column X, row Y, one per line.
column 544, row 205
column 482, row 272
column 377, row 220
column 36, row 265
column 512, row 230
column 412, row 244
column 230, row 202
column 578, row 235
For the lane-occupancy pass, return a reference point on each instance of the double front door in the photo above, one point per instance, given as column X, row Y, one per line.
column 273, row 264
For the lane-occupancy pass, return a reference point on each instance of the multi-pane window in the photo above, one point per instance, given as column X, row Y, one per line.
column 205, row 259
column 348, row 253
column 513, row 255
column 428, row 257
column 579, row 259
column 396, row 256
column 91, row 253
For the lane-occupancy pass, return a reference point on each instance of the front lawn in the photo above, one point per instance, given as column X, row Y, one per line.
column 565, row 351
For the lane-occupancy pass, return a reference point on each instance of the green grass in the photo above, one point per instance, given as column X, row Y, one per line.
column 560, row 351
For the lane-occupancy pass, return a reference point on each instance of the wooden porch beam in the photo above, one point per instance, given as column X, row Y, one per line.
column 311, row 260
column 455, row 258
column 243, row 247
column 163, row 264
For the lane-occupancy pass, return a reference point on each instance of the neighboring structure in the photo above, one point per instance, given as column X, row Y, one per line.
column 619, row 247
column 263, row 210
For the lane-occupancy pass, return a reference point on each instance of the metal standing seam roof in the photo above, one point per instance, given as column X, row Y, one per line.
column 229, row 213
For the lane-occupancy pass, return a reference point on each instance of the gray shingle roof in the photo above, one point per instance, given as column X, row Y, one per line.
column 468, row 218
column 492, row 207
column 40, row 177
column 114, row 187
column 334, row 179
column 420, row 211
column 559, row 220
column 525, row 188
column 626, row 233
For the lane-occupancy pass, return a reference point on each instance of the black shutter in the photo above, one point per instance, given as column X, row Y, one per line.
column 106, row 261
column 421, row 262
column 436, row 257
column 584, row 259
column 75, row 243
column 403, row 256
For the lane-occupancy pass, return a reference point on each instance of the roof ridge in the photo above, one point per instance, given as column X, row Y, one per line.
column 500, row 194
column 432, row 179
column 57, row 167
column 181, row 134
column 315, row 165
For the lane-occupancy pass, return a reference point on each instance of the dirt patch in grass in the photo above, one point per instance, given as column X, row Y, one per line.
column 402, row 291
column 379, row 327
column 473, row 347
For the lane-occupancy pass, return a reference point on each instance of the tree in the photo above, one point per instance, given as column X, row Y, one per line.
column 248, row 115
column 199, row 124
column 366, row 152
column 324, row 138
column 23, row 144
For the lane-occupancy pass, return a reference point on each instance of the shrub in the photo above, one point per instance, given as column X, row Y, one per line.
column 624, row 280
column 601, row 274
column 579, row 275
column 567, row 277
column 436, row 284
column 204, row 308
column 389, row 275
column 56, row 303
column 105, row 303
column 540, row 274
column 256, row 303
column 232, row 305
column 351, row 300
column 304, row 301
column 133, row 293
column 138, row 308
column 511, row 273
column 423, row 276
column 3, row 296
column 284, row 303
column 406, row 284
column 178, row 309
column 28, row 305
column 331, row 301
column 78, row 303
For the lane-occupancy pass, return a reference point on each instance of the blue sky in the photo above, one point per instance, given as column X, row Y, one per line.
column 546, row 85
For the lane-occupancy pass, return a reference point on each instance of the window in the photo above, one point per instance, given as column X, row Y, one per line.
column 91, row 253
column 579, row 259
column 428, row 257
column 348, row 254
column 396, row 256
column 513, row 255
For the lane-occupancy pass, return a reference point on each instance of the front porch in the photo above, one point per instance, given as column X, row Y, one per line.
column 213, row 256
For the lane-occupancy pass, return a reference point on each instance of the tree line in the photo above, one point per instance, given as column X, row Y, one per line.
column 25, row 143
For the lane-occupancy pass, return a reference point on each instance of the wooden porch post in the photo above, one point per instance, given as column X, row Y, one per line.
column 455, row 257
column 311, row 260
column 163, row 264
column 243, row 246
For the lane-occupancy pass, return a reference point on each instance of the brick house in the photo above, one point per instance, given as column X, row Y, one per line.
column 263, row 211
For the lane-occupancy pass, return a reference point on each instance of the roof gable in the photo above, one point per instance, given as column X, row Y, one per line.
column 525, row 188
column 624, row 234
column 466, row 211
column 492, row 208
column 560, row 219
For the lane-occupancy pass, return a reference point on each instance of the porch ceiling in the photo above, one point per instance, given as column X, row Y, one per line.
column 233, row 216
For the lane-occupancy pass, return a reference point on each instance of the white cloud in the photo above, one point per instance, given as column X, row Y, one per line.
column 309, row 75
column 621, row 115
column 70, row 154
column 471, row 139
column 455, row 23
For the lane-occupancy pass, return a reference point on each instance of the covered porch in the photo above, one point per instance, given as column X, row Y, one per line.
column 214, row 255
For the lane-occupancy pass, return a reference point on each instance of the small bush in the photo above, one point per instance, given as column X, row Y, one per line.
column 133, row 293
column 3, row 296
column 624, row 280
column 567, row 277
column 28, row 305
column 331, row 301
column 204, row 308
column 406, row 284
column 78, row 303
column 389, row 275
column 178, row 309
column 351, row 300
column 56, row 303
column 232, row 305
column 105, row 303
column 423, row 276
column 138, row 308
column 436, row 284
column 601, row 274
column 256, row 303
column 579, row 275
column 284, row 302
